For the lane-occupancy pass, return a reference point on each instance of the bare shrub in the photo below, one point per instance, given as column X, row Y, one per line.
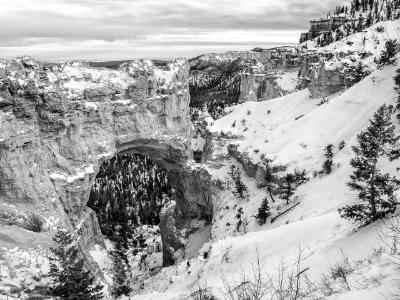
column 340, row 271
column 253, row 286
column 292, row 282
column 335, row 280
column 202, row 292
column 326, row 286
column 391, row 238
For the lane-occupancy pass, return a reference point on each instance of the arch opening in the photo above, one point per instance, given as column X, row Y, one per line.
column 128, row 194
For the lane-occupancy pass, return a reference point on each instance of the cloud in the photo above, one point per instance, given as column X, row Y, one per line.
column 149, row 27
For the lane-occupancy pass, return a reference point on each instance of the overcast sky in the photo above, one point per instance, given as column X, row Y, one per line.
column 127, row 29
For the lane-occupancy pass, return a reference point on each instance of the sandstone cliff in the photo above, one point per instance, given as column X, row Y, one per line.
column 59, row 122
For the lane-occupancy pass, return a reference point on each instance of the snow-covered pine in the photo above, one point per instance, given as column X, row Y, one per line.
column 327, row 165
column 70, row 279
column 263, row 212
column 375, row 189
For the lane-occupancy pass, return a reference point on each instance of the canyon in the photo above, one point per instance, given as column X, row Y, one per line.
column 61, row 121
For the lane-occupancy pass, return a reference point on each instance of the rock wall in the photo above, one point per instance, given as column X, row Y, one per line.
column 229, row 77
column 259, row 87
column 276, row 78
column 328, row 72
column 59, row 122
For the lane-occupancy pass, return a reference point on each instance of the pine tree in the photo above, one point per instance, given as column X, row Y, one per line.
column 357, row 5
column 287, row 187
column 327, row 165
column 376, row 190
column 271, row 180
column 397, row 88
column 371, row 4
column 360, row 26
column 388, row 55
column 70, row 280
column 240, row 189
column 263, row 212
column 121, row 269
column 369, row 20
column 389, row 11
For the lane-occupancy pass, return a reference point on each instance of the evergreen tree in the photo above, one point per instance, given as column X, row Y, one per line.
column 327, row 165
column 287, row 187
column 70, row 280
column 240, row 189
column 376, row 190
column 271, row 180
column 388, row 55
column 263, row 212
column 121, row 269
column 397, row 88
column 360, row 26
column 357, row 5
column 371, row 4
column 369, row 20
column 389, row 11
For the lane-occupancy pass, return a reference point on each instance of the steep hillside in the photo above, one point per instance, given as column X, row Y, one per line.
column 351, row 19
column 288, row 135
column 292, row 131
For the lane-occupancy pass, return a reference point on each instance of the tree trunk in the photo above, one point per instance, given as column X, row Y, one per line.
column 270, row 194
column 372, row 200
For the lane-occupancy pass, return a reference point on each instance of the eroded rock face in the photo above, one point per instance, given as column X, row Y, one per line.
column 276, row 78
column 256, row 171
column 328, row 72
column 59, row 122
column 257, row 75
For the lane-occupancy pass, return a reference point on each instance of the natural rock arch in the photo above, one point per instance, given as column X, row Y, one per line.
column 61, row 121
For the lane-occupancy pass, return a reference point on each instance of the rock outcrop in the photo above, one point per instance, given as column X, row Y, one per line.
column 59, row 122
column 232, row 77
column 328, row 72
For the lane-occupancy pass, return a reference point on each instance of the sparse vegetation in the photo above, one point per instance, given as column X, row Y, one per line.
column 290, row 283
column 240, row 189
column 327, row 165
column 335, row 280
column 252, row 286
column 202, row 292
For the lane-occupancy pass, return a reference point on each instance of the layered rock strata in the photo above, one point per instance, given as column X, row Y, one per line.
column 59, row 122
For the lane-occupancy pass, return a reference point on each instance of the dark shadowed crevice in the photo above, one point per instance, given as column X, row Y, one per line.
column 127, row 196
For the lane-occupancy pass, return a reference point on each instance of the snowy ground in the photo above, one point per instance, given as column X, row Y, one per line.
column 292, row 131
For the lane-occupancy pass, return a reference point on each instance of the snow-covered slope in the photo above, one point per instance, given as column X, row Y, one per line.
column 270, row 128
column 372, row 39
column 292, row 131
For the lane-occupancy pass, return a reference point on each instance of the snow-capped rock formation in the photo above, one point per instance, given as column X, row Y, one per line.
column 59, row 122
column 232, row 77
